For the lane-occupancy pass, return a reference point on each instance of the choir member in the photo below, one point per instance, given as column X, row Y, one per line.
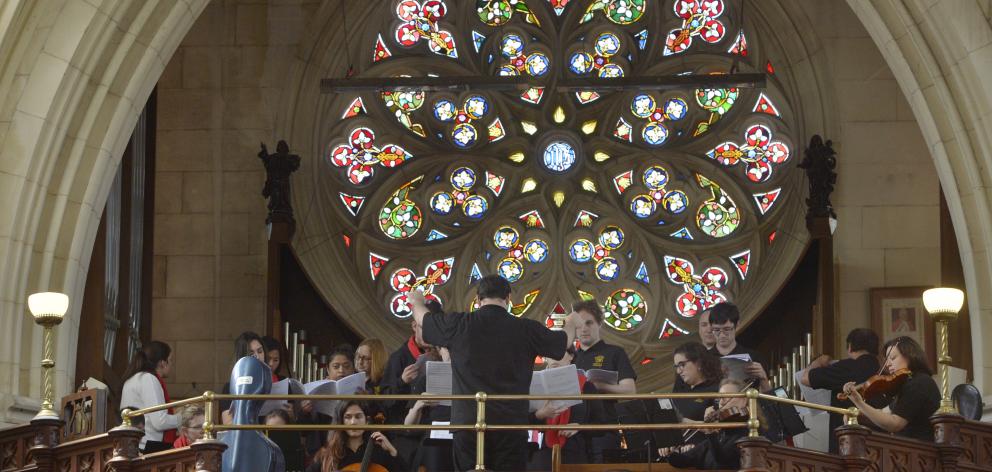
column 345, row 447
column 706, row 335
column 145, row 387
column 432, row 454
column 723, row 322
column 191, row 426
column 275, row 354
column 370, row 357
column 247, row 344
column 400, row 373
column 341, row 362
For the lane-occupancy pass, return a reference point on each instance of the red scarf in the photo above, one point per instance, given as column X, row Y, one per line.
column 411, row 345
column 553, row 437
column 168, row 436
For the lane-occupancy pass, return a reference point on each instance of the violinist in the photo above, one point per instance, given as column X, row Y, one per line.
column 860, row 364
column 700, row 372
column 914, row 392
column 719, row 449
column 346, row 448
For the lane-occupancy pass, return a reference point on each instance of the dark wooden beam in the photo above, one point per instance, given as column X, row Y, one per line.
column 490, row 83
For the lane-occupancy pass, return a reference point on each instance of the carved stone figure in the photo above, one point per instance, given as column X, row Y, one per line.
column 278, row 168
column 819, row 163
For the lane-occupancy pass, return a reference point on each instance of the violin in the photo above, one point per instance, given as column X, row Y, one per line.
column 881, row 384
column 730, row 414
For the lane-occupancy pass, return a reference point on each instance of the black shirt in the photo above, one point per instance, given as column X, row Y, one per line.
column 918, row 399
column 694, row 409
column 392, row 383
column 834, row 376
column 492, row 351
column 738, row 349
column 607, row 357
column 379, row 456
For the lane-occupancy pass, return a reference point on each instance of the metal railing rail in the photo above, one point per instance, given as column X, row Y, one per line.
column 480, row 427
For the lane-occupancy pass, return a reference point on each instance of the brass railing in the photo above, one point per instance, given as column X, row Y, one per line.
column 480, row 427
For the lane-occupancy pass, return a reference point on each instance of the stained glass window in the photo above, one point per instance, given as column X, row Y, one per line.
column 657, row 203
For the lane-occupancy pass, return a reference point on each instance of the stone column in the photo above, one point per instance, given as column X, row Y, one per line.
column 754, row 454
column 947, row 436
column 46, row 437
column 852, row 448
column 208, row 454
column 126, row 440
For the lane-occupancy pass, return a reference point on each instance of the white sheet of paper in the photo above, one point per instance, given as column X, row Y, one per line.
column 557, row 381
column 665, row 404
column 609, row 377
column 441, row 433
column 820, row 396
column 743, row 357
column 282, row 387
column 346, row 386
column 439, row 380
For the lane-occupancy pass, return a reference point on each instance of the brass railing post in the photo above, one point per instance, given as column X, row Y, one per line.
column 208, row 415
column 480, row 431
column 753, row 423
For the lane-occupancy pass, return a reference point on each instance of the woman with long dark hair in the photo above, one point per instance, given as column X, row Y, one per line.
column 914, row 402
column 346, row 447
column 248, row 343
column 700, row 371
column 145, row 387
column 276, row 357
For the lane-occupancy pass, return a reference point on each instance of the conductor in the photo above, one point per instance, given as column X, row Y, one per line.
column 492, row 351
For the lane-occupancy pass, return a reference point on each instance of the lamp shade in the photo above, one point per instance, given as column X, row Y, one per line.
column 49, row 304
column 943, row 300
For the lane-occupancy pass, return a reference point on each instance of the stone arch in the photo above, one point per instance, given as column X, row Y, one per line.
column 939, row 52
column 75, row 76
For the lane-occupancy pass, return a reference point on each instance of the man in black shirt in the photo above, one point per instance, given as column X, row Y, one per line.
column 492, row 351
column 861, row 363
column 723, row 321
column 593, row 353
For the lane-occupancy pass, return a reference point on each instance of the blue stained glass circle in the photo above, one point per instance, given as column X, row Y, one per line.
column 611, row 237
column 512, row 45
column 581, row 250
column 538, row 64
column 642, row 106
column 607, row 44
column 463, row 178
column 475, row 207
column 675, row 202
column 510, row 269
column 607, row 269
column 464, row 135
column 611, row 71
column 476, row 106
column 654, row 134
column 580, row 63
column 445, row 110
column 508, row 71
column 536, row 251
column 441, row 203
column 655, row 177
column 642, row 206
column 559, row 156
column 676, row 109
column 505, row 238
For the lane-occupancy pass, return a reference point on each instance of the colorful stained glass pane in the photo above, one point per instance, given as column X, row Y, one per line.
column 621, row 12
column 642, row 39
column 765, row 200
column 380, row 51
column 495, row 183
column 675, row 202
column 611, row 71
column 771, row 237
column 506, row 238
column 510, row 269
column 475, row 207
column 476, row 106
column 682, row 233
column 475, row 274
column 642, row 206
column 533, row 95
column 519, row 309
column 623, row 181
column 717, row 216
column 445, row 111
column 463, row 178
column 435, row 235
column 717, row 102
column 356, row 108
column 611, row 237
column 740, row 45
column 558, row 156
column 742, row 262
column 623, row 130
column 496, row 131
column 500, row 12
column 420, row 21
column 769, row 68
column 642, row 274
column 581, row 251
column 352, row 203
column 559, row 6
column 699, row 20
column 765, row 105
column 347, row 240
column 625, row 309
column 607, row 44
column 376, row 263
column 464, row 135
column 585, row 219
column 536, row 251
column 758, row 152
column 361, row 153
column 532, row 219
column 477, row 40
column 580, row 63
column 607, row 269
column 400, row 217
column 586, row 96
column 670, row 330
column 700, row 291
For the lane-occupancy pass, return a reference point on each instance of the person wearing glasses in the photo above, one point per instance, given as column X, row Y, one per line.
column 700, row 372
column 723, row 323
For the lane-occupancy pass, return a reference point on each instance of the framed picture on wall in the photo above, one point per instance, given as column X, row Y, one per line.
column 899, row 311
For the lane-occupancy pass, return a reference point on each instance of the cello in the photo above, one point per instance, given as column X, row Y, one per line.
column 367, row 465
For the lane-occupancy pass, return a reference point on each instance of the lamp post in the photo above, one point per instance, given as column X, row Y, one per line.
column 48, row 309
column 943, row 304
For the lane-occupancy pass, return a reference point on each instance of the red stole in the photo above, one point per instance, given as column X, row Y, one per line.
column 168, row 436
column 411, row 345
column 552, row 437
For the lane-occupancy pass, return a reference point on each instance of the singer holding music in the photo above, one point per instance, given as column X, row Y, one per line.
column 908, row 381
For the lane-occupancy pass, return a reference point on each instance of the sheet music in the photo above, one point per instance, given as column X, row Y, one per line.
column 346, row 386
column 557, row 381
column 743, row 357
column 439, row 380
column 441, row 433
column 666, row 404
column 282, row 387
column 820, row 396
column 733, row 367
column 610, row 377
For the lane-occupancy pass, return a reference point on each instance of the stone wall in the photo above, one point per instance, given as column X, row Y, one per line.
column 216, row 102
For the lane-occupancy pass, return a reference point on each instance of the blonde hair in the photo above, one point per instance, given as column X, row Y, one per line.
column 188, row 413
column 379, row 357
